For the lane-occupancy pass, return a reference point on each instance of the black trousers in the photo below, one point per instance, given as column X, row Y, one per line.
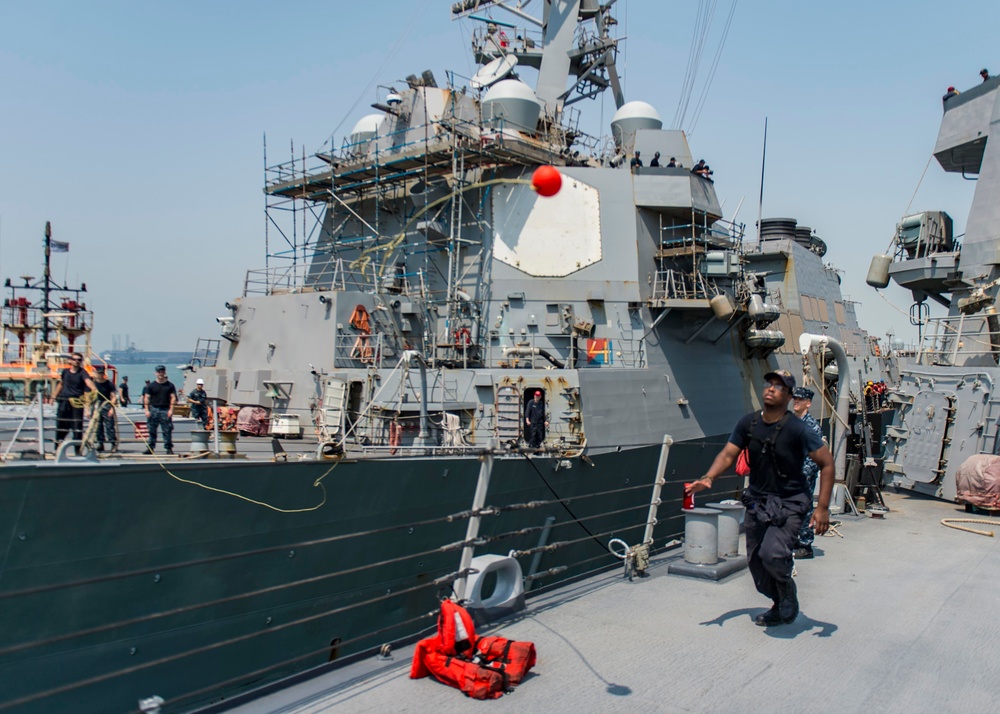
column 68, row 418
column 536, row 435
column 772, row 525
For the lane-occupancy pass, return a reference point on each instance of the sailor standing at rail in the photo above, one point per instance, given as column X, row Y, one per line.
column 535, row 421
column 68, row 394
column 198, row 399
column 107, row 398
column 776, row 500
column 159, row 399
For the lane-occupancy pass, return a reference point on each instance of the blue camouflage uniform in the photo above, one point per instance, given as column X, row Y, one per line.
column 810, row 471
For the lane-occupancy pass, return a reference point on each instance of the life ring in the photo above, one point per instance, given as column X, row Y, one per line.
column 463, row 338
column 395, row 436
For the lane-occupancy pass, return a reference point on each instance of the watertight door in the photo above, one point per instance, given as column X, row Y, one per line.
column 334, row 396
column 927, row 422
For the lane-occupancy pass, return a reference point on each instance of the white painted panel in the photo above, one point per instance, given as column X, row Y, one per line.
column 547, row 237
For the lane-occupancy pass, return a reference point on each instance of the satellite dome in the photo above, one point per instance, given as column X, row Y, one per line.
column 631, row 117
column 367, row 126
column 512, row 103
column 364, row 131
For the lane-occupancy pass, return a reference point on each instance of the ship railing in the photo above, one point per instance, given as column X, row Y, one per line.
column 949, row 340
column 674, row 284
column 359, row 586
column 206, row 352
column 293, row 278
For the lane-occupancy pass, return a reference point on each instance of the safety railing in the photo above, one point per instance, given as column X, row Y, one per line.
column 950, row 340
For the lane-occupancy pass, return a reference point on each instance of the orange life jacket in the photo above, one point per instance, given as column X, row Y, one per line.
column 513, row 659
column 473, row 679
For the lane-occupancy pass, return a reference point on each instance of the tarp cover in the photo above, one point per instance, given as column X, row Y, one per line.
column 978, row 481
column 253, row 421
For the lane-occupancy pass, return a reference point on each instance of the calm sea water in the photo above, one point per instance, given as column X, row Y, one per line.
column 138, row 374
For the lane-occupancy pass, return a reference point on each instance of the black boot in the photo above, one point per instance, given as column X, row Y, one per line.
column 769, row 618
column 788, row 601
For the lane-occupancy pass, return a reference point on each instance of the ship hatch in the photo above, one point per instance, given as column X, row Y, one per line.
column 927, row 424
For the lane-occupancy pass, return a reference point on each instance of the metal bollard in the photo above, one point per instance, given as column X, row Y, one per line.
column 730, row 515
column 199, row 441
column 701, row 536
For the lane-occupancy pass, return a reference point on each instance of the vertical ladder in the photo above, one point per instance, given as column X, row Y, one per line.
column 508, row 411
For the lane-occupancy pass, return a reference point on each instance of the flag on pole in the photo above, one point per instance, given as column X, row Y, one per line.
column 58, row 246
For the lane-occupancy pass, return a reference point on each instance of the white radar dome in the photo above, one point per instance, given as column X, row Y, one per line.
column 366, row 127
column 631, row 117
column 512, row 103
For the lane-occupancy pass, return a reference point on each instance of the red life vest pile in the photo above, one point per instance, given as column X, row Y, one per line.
column 483, row 668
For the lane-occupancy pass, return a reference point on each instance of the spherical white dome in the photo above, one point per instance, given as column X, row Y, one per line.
column 632, row 117
column 638, row 110
column 367, row 124
column 513, row 103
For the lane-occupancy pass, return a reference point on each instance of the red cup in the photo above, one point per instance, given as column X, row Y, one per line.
column 688, row 498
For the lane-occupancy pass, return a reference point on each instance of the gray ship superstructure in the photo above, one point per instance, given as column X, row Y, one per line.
column 947, row 406
column 393, row 345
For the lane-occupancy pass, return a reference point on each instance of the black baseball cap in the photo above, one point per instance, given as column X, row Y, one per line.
column 803, row 393
column 160, row 368
column 783, row 376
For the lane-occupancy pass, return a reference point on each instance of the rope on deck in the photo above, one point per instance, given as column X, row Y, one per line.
column 950, row 521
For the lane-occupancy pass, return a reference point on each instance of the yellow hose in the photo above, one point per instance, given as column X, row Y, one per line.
column 949, row 521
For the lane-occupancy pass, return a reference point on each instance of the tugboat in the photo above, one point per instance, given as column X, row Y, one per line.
column 390, row 359
column 42, row 325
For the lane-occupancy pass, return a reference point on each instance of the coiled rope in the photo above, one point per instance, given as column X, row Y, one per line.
column 950, row 521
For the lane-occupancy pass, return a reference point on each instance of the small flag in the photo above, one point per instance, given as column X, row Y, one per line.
column 599, row 351
column 58, row 246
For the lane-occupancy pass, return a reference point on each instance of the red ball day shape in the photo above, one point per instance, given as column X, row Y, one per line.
column 546, row 181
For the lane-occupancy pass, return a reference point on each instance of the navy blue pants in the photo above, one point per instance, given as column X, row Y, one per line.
column 806, row 534
column 107, row 427
column 772, row 526
column 159, row 417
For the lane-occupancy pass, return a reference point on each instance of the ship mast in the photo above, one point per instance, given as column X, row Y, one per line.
column 47, row 282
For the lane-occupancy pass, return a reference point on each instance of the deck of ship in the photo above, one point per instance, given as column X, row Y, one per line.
column 897, row 616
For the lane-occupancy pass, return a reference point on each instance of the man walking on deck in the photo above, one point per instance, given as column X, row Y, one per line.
column 159, row 399
column 776, row 501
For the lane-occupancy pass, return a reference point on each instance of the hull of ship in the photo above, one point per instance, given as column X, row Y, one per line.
column 141, row 581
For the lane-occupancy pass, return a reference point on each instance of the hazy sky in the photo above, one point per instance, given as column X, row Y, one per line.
column 136, row 127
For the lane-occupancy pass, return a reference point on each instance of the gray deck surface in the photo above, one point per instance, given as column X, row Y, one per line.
column 900, row 615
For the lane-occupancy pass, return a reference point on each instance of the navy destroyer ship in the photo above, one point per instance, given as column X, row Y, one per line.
column 947, row 407
column 391, row 348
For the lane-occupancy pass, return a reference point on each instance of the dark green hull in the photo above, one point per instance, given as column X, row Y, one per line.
column 91, row 547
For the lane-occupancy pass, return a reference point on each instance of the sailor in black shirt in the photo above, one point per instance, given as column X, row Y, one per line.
column 159, row 399
column 535, row 421
column 776, row 500
column 69, row 405
column 123, row 392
